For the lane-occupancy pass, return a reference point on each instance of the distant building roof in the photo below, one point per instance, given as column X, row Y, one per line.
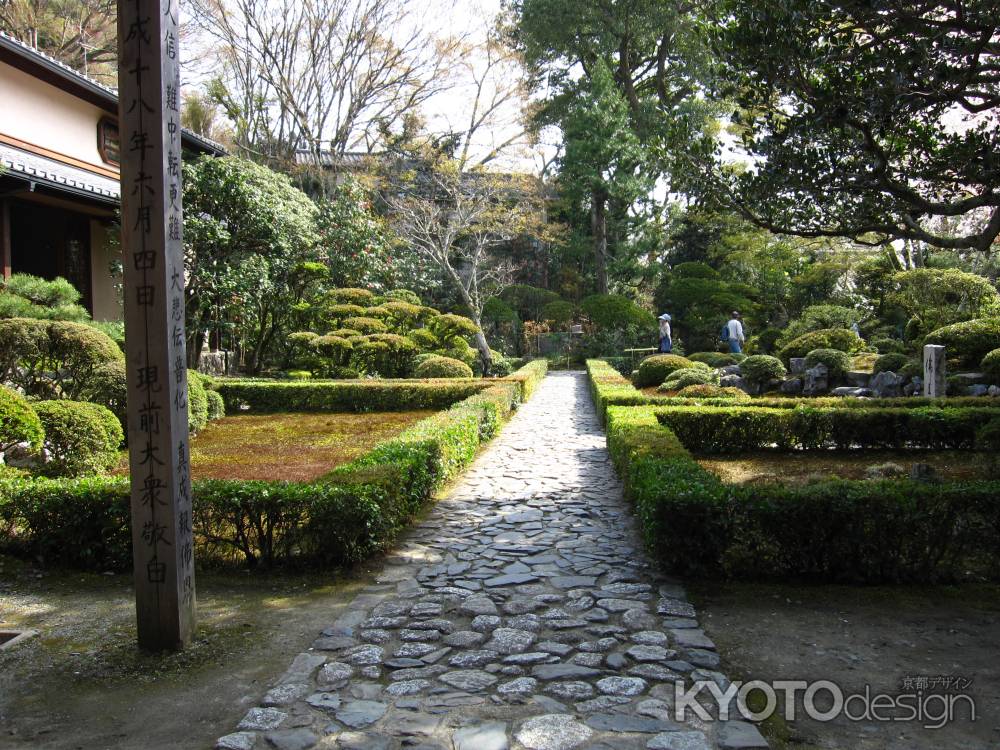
column 51, row 173
column 48, row 69
column 326, row 158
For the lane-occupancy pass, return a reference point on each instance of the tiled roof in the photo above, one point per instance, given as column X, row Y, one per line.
column 349, row 160
column 28, row 166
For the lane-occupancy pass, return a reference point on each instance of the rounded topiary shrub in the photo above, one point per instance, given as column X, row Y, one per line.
column 365, row 325
column 912, row 369
column 384, row 354
column 335, row 350
column 424, row 339
column 656, row 369
column 197, row 402
column 760, row 369
column 18, row 421
column 442, row 367
column 689, row 376
column 828, row 338
column 353, row 296
column 837, row 362
column 216, row 406
column 892, row 362
column 714, row 391
column 449, row 328
column 108, row 386
column 53, row 359
column 968, row 342
column 403, row 295
column 991, row 364
column 714, row 359
column 81, row 438
column 345, row 333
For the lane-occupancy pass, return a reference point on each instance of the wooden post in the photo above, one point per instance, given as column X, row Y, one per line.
column 149, row 123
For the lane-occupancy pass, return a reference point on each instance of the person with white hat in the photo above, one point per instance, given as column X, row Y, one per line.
column 666, row 340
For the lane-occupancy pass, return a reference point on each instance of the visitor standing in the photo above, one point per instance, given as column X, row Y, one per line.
column 666, row 339
column 732, row 333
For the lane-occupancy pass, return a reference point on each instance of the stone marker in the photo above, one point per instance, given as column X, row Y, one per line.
column 156, row 363
column 935, row 371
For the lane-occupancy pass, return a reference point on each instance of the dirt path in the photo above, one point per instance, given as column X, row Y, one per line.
column 81, row 684
column 864, row 635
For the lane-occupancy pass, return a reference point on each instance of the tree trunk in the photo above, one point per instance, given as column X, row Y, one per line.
column 485, row 357
column 599, row 231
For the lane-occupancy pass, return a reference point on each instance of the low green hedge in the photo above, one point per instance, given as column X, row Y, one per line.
column 609, row 388
column 351, row 513
column 736, row 429
column 841, row 531
column 344, row 395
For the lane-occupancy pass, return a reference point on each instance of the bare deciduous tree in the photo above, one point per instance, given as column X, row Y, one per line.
column 327, row 75
column 80, row 33
column 456, row 220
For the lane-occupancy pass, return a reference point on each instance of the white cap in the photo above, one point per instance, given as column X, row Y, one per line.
column 665, row 316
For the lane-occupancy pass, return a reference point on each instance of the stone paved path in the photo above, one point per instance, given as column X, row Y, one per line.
column 521, row 614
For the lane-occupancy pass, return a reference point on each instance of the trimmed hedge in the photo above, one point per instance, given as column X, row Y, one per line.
column 826, row 338
column 351, row 513
column 657, row 368
column 760, row 369
column 343, row 396
column 871, row 531
column 715, row 359
column 990, row 364
column 197, row 402
column 609, row 388
column 680, row 379
column 216, row 406
column 82, row 438
column 968, row 342
column 18, row 421
column 891, row 362
column 736, row 429
column 714, row 392
column 435, row 366
column 837, row 362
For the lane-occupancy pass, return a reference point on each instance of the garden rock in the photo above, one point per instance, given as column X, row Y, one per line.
column 797, row 365
column 816, row 380
column 993, row 391
column 733, row 381
column 978, row 390
column 858, row 379
column 792, row 387
column 887, row 385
